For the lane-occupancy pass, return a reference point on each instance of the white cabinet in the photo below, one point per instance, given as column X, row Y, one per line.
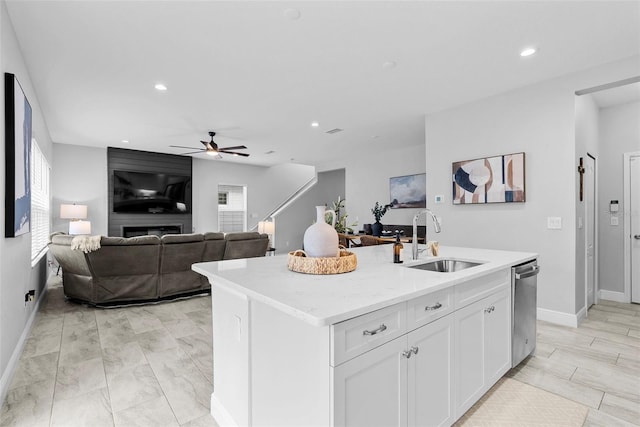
column 406, row 381
column 430, row 372
column 371, row 389
column 482, row 347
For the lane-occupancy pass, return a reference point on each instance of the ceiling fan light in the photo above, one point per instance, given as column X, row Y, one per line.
column 212, row 152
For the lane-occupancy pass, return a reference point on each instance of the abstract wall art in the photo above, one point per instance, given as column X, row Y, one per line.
column 498, row 179
column 18, row 159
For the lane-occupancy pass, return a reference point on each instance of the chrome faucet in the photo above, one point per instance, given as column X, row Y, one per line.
column 414, row 240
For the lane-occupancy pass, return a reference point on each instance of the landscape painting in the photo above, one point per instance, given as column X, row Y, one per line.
column 409, row 191
column 498, row 179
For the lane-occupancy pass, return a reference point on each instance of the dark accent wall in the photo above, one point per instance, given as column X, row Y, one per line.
column 144, row 161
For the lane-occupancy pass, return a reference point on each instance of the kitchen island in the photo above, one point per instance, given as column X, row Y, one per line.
column 384, row 345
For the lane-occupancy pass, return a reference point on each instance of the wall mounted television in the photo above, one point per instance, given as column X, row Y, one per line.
column 151, row 193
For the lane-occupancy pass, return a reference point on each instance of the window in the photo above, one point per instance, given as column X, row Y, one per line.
column 40, row 203
column 223, row 198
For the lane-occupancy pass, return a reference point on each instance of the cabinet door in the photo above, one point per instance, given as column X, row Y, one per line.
column 497, row 336
column 430, row 396
column 371, row 389
column 469, row 356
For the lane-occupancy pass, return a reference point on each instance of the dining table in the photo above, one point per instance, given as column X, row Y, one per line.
column 354, row 239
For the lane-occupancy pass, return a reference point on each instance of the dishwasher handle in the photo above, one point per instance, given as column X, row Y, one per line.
column 533, row 272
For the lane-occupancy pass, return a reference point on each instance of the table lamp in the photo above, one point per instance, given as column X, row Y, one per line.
column 76, row 213
column 268, row 228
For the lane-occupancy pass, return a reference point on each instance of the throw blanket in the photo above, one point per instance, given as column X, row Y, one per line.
column 85, row 244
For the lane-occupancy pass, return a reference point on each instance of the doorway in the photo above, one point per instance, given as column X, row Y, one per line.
column 232, row 208
column 632, row 223
column 590, row 225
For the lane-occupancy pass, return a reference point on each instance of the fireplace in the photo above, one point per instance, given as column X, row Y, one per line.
column 157, row 230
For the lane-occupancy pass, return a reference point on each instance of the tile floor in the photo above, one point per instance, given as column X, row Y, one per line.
column 152, row 365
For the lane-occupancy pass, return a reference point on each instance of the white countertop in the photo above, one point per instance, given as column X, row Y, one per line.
column 376, row 283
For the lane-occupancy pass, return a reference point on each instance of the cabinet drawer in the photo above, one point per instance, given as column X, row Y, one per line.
column 363, row 333
column 428, row 308
column 476, row 289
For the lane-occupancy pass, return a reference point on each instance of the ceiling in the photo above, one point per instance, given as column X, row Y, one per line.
column 259, row 73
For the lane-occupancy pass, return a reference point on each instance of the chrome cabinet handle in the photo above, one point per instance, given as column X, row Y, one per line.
column 433, row 307
column 382, row 328
column 407, row 354
column 637, row 237
column 414, row 350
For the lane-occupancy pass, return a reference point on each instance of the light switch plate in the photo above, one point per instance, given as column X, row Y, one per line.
column 439, row 198
column 614, row 220
column 554, row 223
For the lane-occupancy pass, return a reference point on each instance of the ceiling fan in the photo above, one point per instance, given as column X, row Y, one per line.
column 212, row 149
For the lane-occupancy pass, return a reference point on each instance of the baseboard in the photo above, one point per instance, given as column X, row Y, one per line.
column 559, row 317
column 220, row 413
column 612, row 296
column 10, row 370
column 582, row 314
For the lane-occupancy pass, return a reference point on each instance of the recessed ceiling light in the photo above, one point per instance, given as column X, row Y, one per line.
column 160, row 86
column 125, row 141
column 388, row 65
column 315, row 124
column 528, row 51
column 291, row 14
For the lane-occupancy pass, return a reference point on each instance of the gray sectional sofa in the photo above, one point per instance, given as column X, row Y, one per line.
column 147, row 268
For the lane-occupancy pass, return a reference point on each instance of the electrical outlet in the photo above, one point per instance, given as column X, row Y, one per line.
column 29, row 296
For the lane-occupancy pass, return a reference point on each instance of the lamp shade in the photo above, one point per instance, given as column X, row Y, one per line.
column 73, row 211
column 266, row 227
column 79, row 227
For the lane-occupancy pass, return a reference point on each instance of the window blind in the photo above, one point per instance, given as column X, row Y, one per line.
column 40, row 202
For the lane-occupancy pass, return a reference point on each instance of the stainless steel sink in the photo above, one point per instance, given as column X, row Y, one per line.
column 445, row 265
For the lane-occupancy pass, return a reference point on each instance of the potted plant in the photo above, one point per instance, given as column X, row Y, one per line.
column 341, row 219
column 378, row 212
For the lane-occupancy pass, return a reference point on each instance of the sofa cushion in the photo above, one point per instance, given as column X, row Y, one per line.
column 245, row 245
column 138, row 240
column 214, row 244
column 181, row 238
column 178, row 253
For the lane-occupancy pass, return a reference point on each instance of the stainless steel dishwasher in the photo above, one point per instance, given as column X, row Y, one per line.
column 524, row 287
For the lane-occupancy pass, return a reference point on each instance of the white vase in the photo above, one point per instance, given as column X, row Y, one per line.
column 321, row 239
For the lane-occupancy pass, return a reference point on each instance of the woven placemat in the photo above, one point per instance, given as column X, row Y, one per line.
column 298, row 261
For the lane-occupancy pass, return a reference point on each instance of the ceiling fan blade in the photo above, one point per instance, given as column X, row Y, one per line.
column 234, row 153
column 182, row 146
column 193, row 152
column 235, row 147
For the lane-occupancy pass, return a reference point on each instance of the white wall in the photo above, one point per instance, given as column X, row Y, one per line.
column 539, row 120
column 586, row 122
column 294, row 221
column 367, row 176
column 80, row 176
column 267, row 187
column 16, row 274
column 619, row 133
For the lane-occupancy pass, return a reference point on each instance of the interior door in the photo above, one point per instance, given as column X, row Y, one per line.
column 634, row 177
column 590, row 220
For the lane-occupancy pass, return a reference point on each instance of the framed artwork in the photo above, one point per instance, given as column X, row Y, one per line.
column 499, row 179
column 18, row 158
column 409, row 191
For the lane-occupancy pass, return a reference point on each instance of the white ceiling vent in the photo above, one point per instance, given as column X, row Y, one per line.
column 335, row 130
